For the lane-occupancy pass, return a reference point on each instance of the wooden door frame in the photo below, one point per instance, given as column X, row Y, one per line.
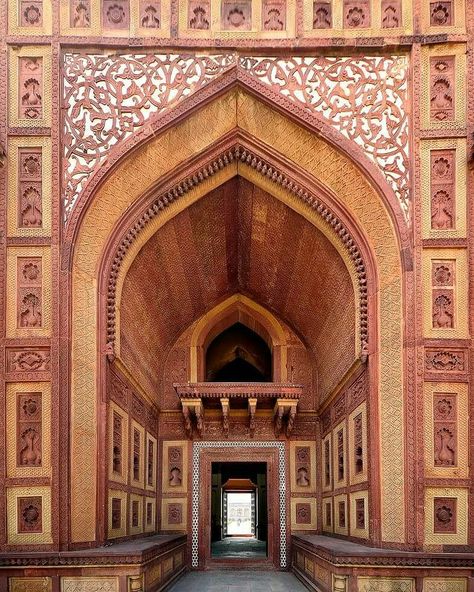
column 271, row 453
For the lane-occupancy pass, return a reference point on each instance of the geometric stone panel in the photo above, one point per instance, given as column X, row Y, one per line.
column 373, row 584
column 30, row 584
column 444, row 584
column 89, row 584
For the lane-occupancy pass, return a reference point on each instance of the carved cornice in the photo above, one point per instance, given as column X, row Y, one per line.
column 217, row 390
column 240, row 154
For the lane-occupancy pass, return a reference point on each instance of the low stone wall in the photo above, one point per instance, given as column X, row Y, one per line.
column 142, row 565
column 328, row 564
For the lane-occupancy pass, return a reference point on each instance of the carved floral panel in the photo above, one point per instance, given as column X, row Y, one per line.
column 31, row 13
column 30, row 204
column 391, row 14
column 29, row 429
column 445, row 429
column 199, row 15
column 29, row 293
column 442, row 88
column 150, row 14
column 80, row 14
column 303, row 513
column 274, row 15
column 441, row 13
column 442, row 189
column 30, row 95
column 445, row 515
column 356, row 14
column 29, row 514
column 322, row 15
column 115, row 14
column 108, row 98
column 236, row 15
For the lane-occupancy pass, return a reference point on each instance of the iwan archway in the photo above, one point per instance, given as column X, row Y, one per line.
column 157, row 182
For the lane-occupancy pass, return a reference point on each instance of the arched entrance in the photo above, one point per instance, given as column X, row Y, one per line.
column 352, row 228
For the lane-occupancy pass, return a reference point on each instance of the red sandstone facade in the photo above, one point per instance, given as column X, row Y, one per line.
column 173, row 169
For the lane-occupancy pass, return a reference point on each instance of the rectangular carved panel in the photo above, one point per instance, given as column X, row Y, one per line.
column 356, row 14
column 30, row 199
column 445, row 515
column 116, row 513
column 236, row 15
column 30, row 584
column 442, row 88
column 30, row 514
column 391, row 14
column 31, row 13
column 341, row 514
column 29, row 429
column 274, row 15
column 117, row 444
column 29, row 292
column 80, row 14
column 445, row 429
column 442, row 189
column 441, row 13
column 150, row 463
column 30, row 95
column 322, row 15
column 360, row 513
column 26, row 362
column 150, row 14
column 115, row 14
column 199, row 15
column 445, row 360
column 137, row 460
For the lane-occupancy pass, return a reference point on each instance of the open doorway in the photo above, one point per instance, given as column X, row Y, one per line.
column 239, row 516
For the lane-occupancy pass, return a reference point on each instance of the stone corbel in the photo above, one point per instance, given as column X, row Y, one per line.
column 285, row 409
column 252, row 404
column 193, row 412
column 225, row 416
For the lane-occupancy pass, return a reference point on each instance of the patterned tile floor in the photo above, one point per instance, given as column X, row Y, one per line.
column 238, row 581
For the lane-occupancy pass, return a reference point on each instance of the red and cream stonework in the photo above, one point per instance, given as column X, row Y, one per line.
column 169, row 168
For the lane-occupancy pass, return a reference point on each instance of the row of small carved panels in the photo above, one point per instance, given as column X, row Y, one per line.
column 130, row 514
column 235, row 14
column 351, row 398
column 346, row 514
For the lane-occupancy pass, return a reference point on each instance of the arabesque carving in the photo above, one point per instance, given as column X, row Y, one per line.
column 363, row 98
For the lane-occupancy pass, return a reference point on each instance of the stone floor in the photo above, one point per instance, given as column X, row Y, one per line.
column 238, row 581
column 239, row 548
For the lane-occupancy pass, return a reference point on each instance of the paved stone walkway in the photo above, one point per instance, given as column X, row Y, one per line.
column 238, row 581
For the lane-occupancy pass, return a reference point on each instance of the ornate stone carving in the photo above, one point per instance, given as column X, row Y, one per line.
column 445, row 428
column 236, row 15
column 442, row 186
column 445, row 514
column 150, row 14
column 30, row 207
column 340, row 455
column 30, row 517
column 341, row 513
column 29, row 429
column 441, row 13
column 115, row 14
column 443, row 309
column 328, row 514
column 28, row 360
column 303, row 513
column 322, row 15
column 327, row 464
column 116, row 513
column 117, row 444
column 30, row 93
column 391, row 14
column 303, row 466
column 150, row 463
column 175, row 466
column 442, row 88
column 199, row 15
column 360, row 513
column 134, row 522
column 356, row 14
column 136, row 455
column 80, row 14
column 274, row 15
column 29, row 282
column 175, row 513
column 444, row 360
column 363, row 98
column 339, row 409
column 443, row 273
column 149, row 514
column 358, row 445
column 31, row 13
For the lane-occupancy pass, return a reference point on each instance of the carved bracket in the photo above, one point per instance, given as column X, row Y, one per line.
column 193, row 414
column 284, row 413
column 252, row 406
column 225, row 416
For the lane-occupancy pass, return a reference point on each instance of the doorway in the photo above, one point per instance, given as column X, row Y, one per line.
column 239, row 515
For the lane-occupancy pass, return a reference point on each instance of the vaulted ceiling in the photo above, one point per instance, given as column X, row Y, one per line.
column 238, row 238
